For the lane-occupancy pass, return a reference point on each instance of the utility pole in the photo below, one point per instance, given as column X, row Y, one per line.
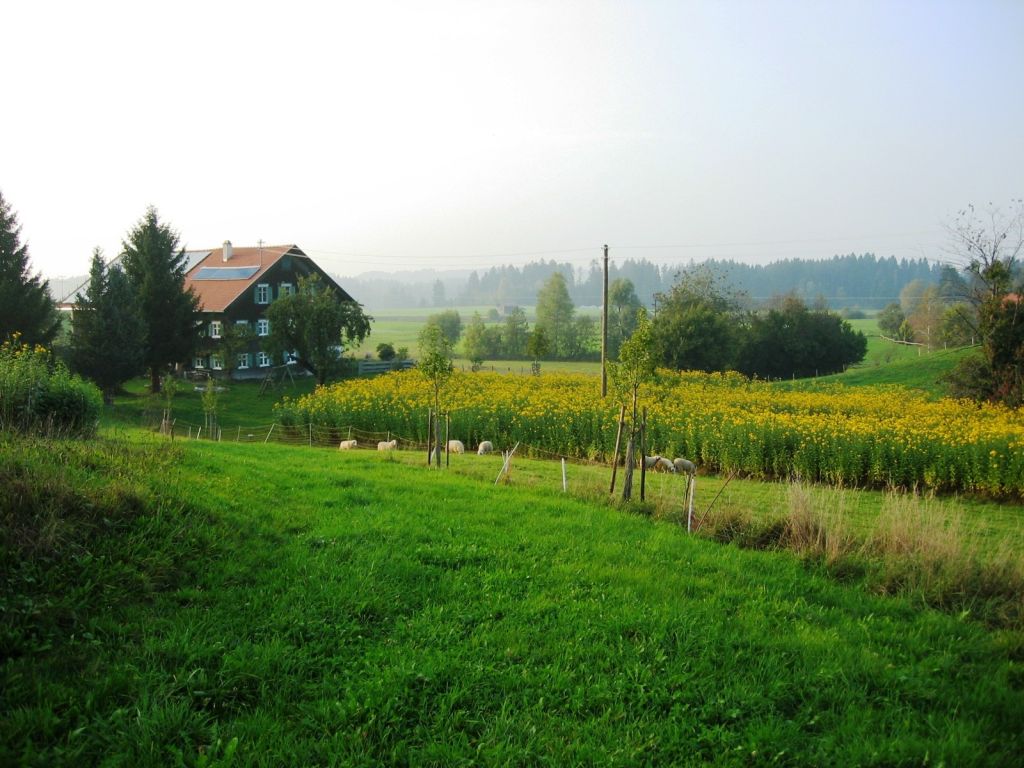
column 604, row 329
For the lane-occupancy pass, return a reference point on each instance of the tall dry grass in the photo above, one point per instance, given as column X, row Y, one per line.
column 915, row 547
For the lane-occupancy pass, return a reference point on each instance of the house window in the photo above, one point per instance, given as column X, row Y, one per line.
column 240, row 324
column 243, row 361
column 216, row 362
column 263, row 327
column 263, row 359
column 263, row 293
column 216, row 329
column 199, row 362
column 286, row 289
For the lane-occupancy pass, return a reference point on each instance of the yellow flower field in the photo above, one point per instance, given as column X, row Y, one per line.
column 880, row 437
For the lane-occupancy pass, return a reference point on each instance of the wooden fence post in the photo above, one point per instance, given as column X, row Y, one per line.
column 447, row 438
column 618, row 442
column 692, row 487
column 430, row 435
column 643, row 456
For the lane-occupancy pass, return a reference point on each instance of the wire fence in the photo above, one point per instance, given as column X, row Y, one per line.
column 319, row 436
column 357, row 438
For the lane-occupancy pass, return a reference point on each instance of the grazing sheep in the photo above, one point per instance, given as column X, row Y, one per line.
column 684, row 467
column 456, row 446
column 658, row 464
column 347, row 445
column 484, row 448
column 388, row 445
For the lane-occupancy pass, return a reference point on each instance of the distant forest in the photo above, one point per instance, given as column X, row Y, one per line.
column 864, row 281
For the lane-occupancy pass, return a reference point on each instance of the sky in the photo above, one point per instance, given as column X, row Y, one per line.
column 454, row 135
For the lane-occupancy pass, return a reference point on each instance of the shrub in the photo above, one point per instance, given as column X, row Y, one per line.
column 39, row 396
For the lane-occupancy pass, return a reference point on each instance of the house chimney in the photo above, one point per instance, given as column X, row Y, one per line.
column 227, row 250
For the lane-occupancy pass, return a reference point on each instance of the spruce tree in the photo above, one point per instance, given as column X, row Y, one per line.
column 25, row 303
column 156, row 268
column 106, row 336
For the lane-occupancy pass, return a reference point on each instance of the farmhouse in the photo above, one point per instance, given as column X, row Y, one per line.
column 235, row 286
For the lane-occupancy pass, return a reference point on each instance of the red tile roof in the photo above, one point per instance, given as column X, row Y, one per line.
column 217, row 295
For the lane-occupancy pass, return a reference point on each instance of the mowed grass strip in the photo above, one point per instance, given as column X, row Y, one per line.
column 346, row 609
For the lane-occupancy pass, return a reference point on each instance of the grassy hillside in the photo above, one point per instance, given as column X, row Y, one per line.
column 312, row 607
column 888, row 363
column 924, row 372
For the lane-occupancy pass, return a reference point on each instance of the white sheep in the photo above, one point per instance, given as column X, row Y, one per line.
column 658, row 464
column 347, row 445
column 484, row 448
column 388, row 445
column 684, row 467
column 456, row 446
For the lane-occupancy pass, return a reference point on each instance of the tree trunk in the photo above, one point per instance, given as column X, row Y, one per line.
column 627, row 474
column 154, row 380
column 627, row 477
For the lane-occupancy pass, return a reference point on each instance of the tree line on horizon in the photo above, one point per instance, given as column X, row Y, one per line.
column 863, row 281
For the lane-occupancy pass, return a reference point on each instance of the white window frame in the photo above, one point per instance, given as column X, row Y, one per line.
column 263, row 327
column 263, row 293
column 216, row 362
column 285, row 289
column 242, row 363
column 199, row 363
column 242, row 322
column 263, row 359
column 216, row 329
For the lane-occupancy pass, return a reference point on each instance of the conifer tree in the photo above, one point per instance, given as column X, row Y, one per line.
column 107, row 333
column 26, row 307
column 156, row 268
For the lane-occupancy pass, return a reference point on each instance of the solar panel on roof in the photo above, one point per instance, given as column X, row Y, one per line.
column 225, row 273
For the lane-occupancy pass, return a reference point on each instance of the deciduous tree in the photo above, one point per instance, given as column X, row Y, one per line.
column 637, row 361
column 435, row 364
column 890, row 321
column 698, row 323
column 555, row 311
column 991, row 244
column 474, row 340
column 623, row 304
column 515, row 333
column 316, row 325
column 791, row 340
column 537, row 346
column 450, row 323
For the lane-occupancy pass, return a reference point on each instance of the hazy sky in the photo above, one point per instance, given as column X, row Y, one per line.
column 396, row 135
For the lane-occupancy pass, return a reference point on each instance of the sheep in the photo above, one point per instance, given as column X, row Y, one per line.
column 658, row 464
column 347, row 445
column 684, row 467
column 388, row 445
column 484, row 448
column 454, row 446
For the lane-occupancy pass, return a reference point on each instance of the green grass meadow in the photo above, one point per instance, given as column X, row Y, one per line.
column 185, row 605
column 200, row 603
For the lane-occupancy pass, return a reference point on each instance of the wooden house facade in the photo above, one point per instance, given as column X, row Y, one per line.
column 235, row 287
